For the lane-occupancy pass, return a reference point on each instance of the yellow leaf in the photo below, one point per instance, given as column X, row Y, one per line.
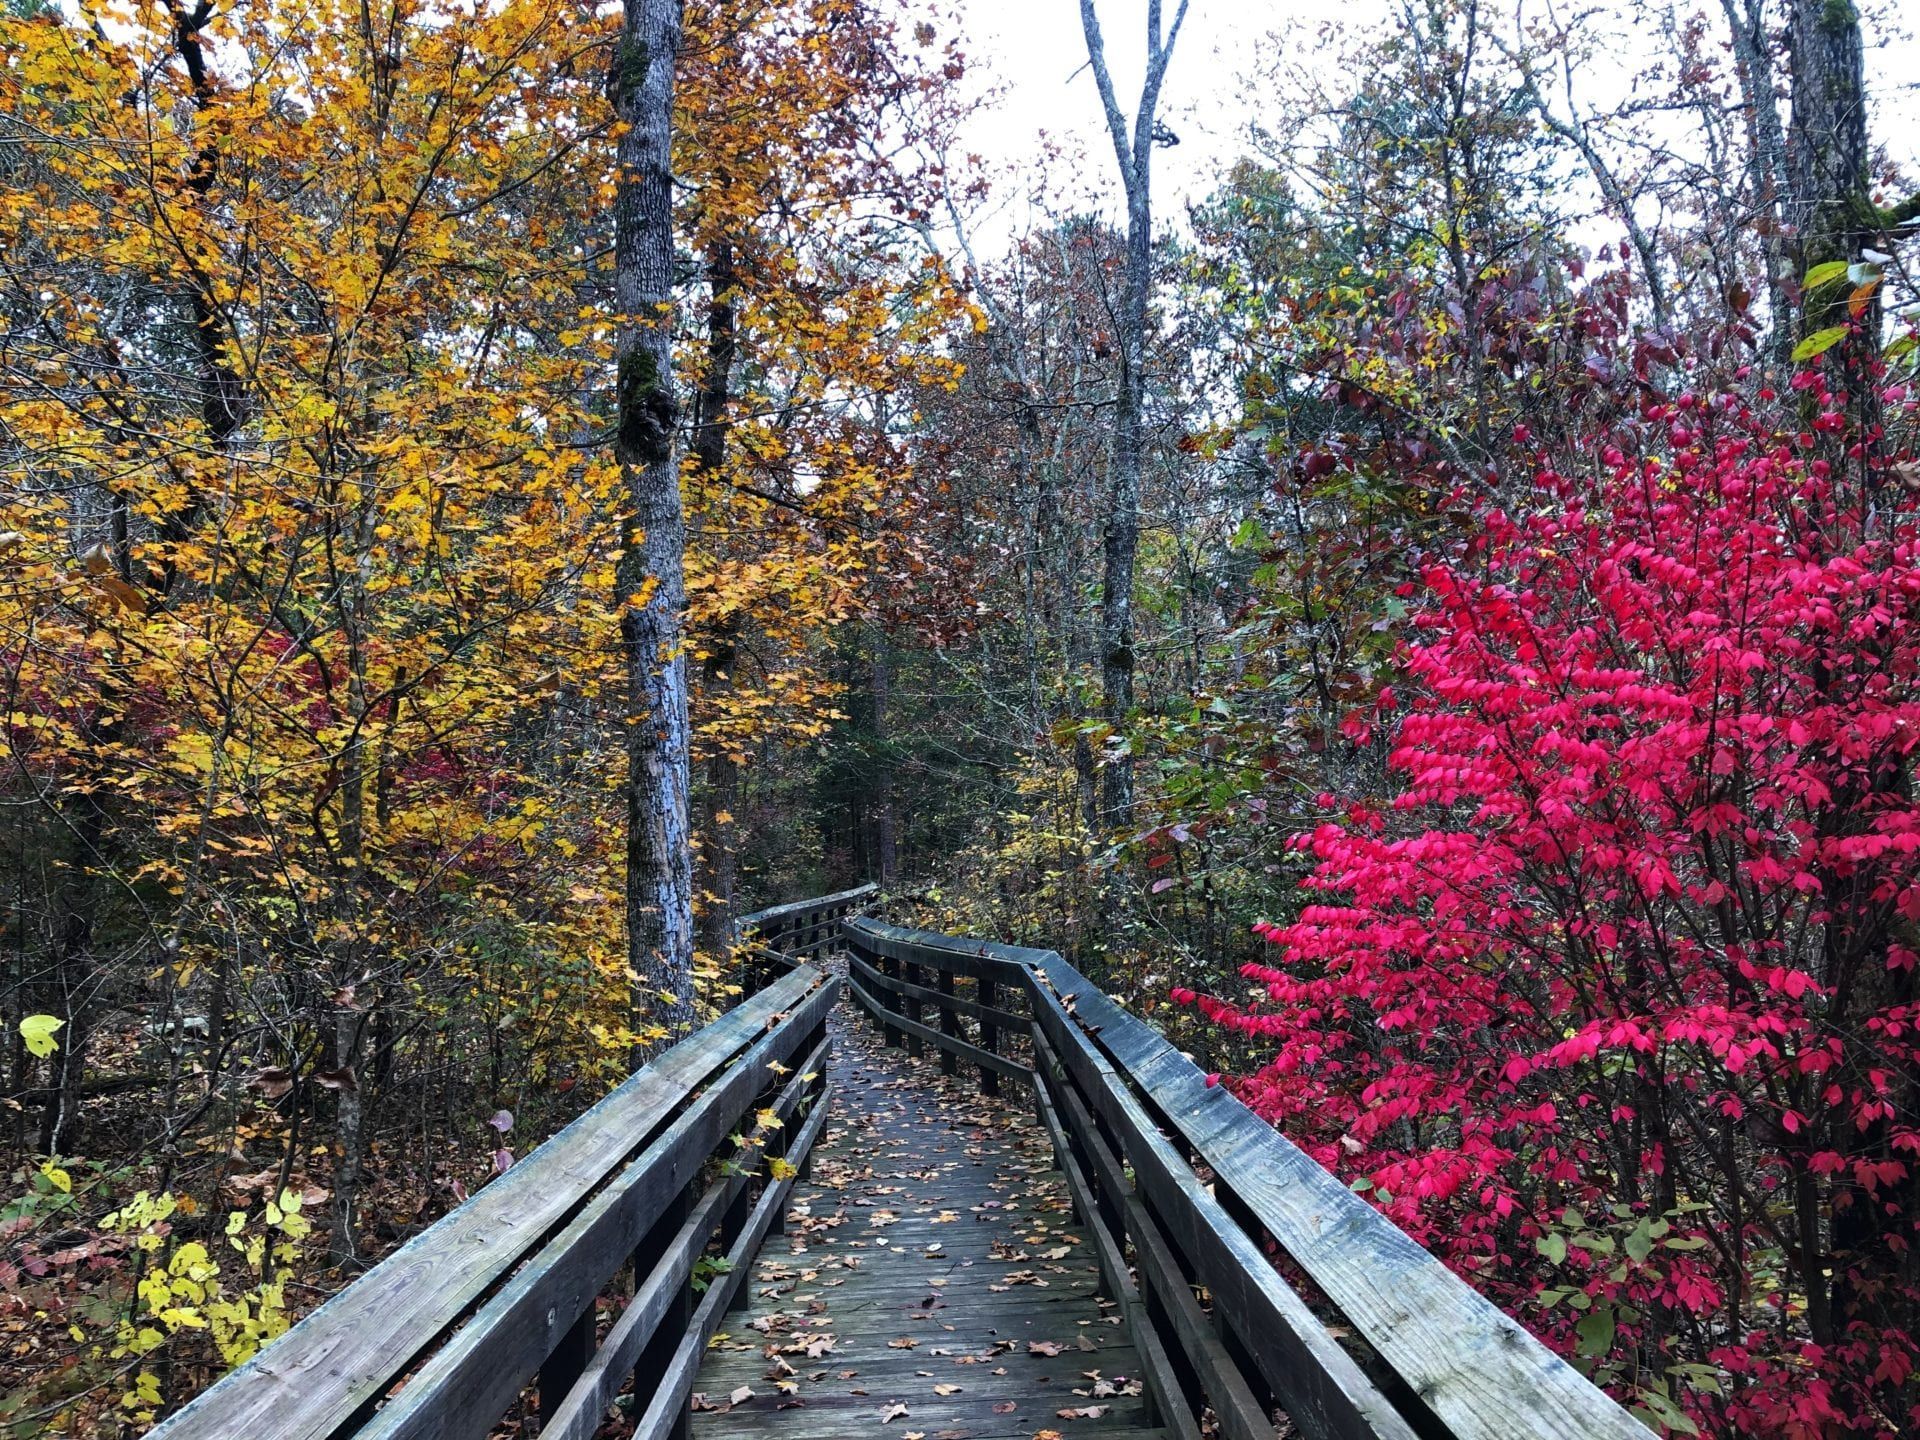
column 38, row 1032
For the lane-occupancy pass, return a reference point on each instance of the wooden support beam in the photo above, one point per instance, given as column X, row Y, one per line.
column 986, row 1011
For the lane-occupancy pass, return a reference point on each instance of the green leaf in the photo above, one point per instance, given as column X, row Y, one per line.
column 1595, row 1331
column 38, row 1032
column 1820, row 342
column 1658, row 1412
column 1639, row 1242
column 1825, row 274
column 1553, row 1245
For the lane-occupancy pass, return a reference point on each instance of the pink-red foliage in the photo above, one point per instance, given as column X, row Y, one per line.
column 1614, row 1005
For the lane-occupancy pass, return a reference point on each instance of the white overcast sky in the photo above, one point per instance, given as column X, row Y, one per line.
column 1035, row 51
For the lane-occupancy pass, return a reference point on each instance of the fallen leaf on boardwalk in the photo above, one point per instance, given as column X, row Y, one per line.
column 905, row 1342
column 1083, row 1412
column 895, row 1411
column 1048, row 1348
column 1005, row 1407
column 946, row 1389
column 741, row 1396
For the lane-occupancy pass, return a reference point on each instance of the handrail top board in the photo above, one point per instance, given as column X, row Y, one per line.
column 958, row 947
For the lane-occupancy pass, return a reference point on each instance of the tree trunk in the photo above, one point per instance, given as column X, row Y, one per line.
column 885, row 841
column 719, row 862
column 346, row 945
column 1830, row 206
column 1766, row 164
column 650, row 579
column 76, row 967
column 1121, row 542
column 1122, row 539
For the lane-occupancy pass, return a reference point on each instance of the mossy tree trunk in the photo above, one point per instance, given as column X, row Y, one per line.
column 1831, row 205
column 650, row 576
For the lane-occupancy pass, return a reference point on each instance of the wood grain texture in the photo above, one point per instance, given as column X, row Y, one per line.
column 1323, row 1388
column 469, row 1382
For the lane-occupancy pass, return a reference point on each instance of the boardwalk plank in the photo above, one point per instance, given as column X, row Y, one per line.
column 914, row 1159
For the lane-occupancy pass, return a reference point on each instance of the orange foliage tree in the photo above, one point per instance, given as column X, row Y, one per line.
column 307, row 640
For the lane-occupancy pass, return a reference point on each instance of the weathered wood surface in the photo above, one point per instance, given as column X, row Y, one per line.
column 933, row 1263
column 785, row 935
column 1321, row 1385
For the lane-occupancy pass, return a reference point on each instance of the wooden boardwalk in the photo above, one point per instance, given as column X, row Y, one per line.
column 932, row 1282
column 926, row 1278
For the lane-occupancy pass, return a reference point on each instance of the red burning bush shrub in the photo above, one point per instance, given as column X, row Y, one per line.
column 1614, row 1005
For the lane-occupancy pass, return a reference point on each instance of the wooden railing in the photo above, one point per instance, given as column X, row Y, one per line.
column 771, row 942
column 644, row 1208
column 1190, row 1199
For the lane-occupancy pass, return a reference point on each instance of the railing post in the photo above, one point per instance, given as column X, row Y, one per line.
column 569, row 1360
column 1159, row 1315
column 890, row 967
column 949, row 1024
column 817, row 1095
column 916, row 1047
column 650, row 1370
column 989, row 993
